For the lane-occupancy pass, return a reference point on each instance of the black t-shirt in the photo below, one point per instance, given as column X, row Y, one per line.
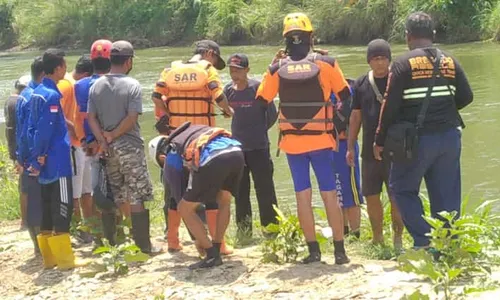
column 251, row 120
column 410, row 77
column 365, row 100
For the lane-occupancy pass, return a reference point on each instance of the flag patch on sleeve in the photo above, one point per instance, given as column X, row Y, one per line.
column 54, row 108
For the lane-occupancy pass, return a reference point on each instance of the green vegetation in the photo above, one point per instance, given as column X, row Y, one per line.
column 9, row 206
column 460, row 253
column 71, row 23
column 118, row 258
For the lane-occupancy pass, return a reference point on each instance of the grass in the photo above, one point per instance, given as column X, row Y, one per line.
column 9, row 205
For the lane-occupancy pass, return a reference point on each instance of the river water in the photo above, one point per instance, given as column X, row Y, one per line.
column 480, row 159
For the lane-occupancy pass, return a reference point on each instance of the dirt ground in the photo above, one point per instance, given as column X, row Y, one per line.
column 242, row 276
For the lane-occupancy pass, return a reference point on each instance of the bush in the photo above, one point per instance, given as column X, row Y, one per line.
column 7, row 35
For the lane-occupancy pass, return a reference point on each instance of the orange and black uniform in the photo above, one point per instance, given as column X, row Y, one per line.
column 191, row 90
column 439, row 142
column 306, row 114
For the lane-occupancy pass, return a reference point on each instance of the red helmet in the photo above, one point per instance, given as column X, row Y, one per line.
column 101, row 48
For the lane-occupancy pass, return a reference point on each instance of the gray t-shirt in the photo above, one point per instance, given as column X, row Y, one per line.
column 111, row 98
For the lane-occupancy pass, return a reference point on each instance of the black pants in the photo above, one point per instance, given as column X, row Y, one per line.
column 259, row 163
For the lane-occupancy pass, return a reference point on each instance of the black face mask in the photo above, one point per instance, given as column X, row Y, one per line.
column 298, row 45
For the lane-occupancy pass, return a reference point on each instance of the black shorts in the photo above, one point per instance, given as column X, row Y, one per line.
column 374, row 174
column 223, row 172
column 57, row 199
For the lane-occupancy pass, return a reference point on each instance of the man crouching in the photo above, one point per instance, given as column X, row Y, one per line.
column 215, row 162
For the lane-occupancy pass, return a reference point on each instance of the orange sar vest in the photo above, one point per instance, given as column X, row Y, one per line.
column 193, row 139
column 303, row 109
column 189, row 98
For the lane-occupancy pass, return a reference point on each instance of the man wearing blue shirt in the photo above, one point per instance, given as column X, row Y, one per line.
column 30, row 187
column 50, row 161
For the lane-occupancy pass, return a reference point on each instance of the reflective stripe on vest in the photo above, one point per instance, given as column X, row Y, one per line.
column 437, row 91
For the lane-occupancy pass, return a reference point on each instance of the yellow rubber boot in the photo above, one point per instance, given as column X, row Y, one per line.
column 49, row 260
column 212, row 225
column 61, row 247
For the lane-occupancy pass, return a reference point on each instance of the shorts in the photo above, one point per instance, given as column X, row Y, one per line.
column 82, row 176
column 375, row 174
column 322, row 164
column 223, row 172
column 57, row 205
column 128, row 174
column 32, row 188
column 346, row 177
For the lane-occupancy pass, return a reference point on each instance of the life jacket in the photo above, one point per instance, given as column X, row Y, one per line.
column 189, row 98
column 192, row 140
column 303, row 109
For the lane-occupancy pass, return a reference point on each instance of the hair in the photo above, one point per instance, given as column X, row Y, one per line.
column 119, row 60
column 420, row 25
column 37, row 68
column 101, row 65
column 52, row 58
column 84, row 65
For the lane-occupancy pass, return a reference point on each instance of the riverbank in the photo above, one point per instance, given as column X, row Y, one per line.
column 152, row 23
column 242, row 276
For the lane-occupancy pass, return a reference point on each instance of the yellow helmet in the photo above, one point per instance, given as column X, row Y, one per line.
column 296, row 21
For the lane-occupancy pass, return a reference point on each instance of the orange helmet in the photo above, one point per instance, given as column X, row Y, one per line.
column 296, row 21
column 101, row 48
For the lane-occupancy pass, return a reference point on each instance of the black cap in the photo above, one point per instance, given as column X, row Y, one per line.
column 205, row 45
column 378, row 47
column 238, row 60
column 122, row 48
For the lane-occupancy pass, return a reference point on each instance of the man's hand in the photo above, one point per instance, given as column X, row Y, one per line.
column 228, row 113
column 349, row 157
column 377, row 151
column 18, row 167
column 33, row 172
column 109, row 136
column 41, row 160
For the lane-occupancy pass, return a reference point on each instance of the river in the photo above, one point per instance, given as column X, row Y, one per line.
column 480, row 160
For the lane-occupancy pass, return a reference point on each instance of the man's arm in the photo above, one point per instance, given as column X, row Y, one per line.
column 214, row 85
column 224, row 104
column 269, row 87
column 10, row 128
column 463, row 95
column 160, row 91
column 49, row 113
column 96, row 129
column 20, row 119
column 125, row 126
column 391, row 104
column 271, row 114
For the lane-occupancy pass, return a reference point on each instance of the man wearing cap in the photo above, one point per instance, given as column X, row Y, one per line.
column 367, row 101
column 115, row 102
column 188, row 91
column 10, row 132
column 82, row 185
column 249, row 126
column 423, row 75
column 29, row 186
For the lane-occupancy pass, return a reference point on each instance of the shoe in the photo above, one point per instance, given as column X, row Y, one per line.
column 174, row 222
column 108, row 220
column 341, row 258
column 34, row 231
column 49, row 260
column 212, row 259
column 313, row 257
column 211, row 215
column 60, row 245
column 140, row 233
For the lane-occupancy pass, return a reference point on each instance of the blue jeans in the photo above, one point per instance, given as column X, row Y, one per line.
column 438, row 163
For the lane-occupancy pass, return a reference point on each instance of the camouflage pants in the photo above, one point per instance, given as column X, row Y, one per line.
column 128, row 173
